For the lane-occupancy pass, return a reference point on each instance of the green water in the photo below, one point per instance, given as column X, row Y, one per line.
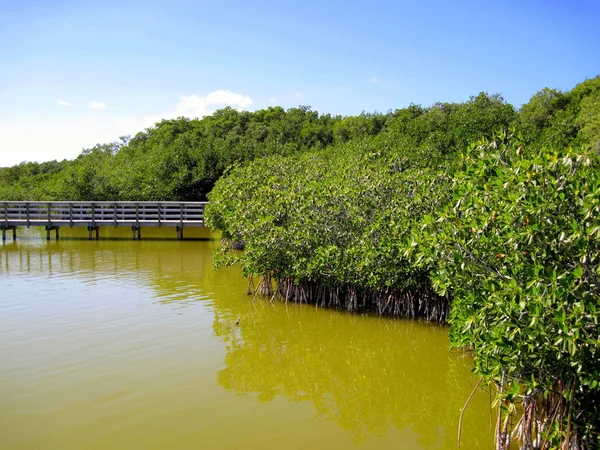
column 118, row 344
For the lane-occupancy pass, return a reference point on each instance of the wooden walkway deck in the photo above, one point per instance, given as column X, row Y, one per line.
column 93, row 215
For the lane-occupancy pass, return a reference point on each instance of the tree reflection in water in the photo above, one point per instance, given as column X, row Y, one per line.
column 368, row 374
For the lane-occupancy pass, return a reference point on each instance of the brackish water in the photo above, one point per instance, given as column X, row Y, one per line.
column 118, row 344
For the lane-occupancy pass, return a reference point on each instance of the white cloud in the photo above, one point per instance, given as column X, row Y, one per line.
column 63, row 103
column 374, row 80
column 297, row 94
column 191, row 106
column 195, row 106
column 222, row 97
column 96, row 105
column 44, row 138
column 272, row 101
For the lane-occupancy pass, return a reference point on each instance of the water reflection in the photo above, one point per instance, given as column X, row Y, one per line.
column 367, row 374
column 370, row 376
column 179, row 271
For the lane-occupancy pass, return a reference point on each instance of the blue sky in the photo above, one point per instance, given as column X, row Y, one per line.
column 75, row 73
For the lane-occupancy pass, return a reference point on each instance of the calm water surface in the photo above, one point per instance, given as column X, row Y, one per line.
column 118, row 344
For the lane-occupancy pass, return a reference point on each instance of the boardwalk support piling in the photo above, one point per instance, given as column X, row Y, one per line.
column 50, row 228
column 9, row 227
column 92, row 228
column 136, row 232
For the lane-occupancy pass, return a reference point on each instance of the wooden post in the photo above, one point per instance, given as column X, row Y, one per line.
column 5, row 221
column 181, row 218
column 179, row 233
column 93, row 228
column 50, row 228
column 9, row 227
column 136, row 230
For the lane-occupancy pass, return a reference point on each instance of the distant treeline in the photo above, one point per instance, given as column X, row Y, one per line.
column 181, row 159
column 472, row 213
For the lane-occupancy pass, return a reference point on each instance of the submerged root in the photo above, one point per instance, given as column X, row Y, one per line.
column 546, row 420
column 420, row 303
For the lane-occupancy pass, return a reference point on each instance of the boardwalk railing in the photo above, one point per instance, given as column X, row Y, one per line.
column 95, row 214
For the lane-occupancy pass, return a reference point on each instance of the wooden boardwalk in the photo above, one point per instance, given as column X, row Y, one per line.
column 93, row 215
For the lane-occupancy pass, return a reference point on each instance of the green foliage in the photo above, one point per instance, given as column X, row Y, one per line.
column 178, row 159
column 356, row 127
column 519, row 247
column 88, row 177
column 337, row 223
column 555, row 119
column 445, row 127
column 536, row 115
column 589, row 120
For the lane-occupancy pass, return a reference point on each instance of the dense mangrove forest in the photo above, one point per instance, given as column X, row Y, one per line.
column 476, row 214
